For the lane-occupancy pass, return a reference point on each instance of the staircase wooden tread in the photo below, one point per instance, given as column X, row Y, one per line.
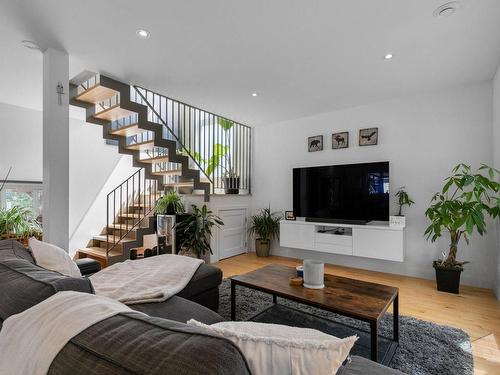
column 128, row 130
column 96, row 94
column 100, row 252
column 123, row 227
column 111, row 238
column 173, row 172
column 180, row 184
column 140, row 146
column 113, row 113
column 156, row 159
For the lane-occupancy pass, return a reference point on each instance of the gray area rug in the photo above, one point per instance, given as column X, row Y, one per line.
column 425, row 348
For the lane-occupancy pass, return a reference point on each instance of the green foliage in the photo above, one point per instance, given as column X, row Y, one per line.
column 403, row 199
column 225, row 123
column 264, row 224
column 220, row 152
column 18, row 221
column 197, row 230
column 169, row 204
column 461, row 207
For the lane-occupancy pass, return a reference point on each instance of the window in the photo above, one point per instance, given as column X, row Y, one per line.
column 24, row 194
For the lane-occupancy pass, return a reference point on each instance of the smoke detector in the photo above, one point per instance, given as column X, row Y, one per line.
column 447, row 9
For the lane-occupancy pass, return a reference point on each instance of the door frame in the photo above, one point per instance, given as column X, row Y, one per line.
column 218, row 240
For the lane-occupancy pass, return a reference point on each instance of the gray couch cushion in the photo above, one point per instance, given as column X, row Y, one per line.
column 135, row 344
column 23, row 284
column 363, row 366
column 180, row 310
column 205, row 278
column 10, row 249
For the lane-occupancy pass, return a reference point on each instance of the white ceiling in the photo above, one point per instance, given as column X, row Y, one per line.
column 302, row 57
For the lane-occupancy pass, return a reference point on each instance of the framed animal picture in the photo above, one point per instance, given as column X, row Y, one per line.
column 368, row 137
column 315, row 143
column 340, row 140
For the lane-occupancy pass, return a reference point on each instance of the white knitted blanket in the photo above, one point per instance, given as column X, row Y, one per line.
column 153, row 279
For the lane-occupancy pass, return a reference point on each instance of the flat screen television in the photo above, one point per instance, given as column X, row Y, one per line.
column 351, row 193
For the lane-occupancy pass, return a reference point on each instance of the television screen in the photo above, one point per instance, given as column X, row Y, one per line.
column 352, row 192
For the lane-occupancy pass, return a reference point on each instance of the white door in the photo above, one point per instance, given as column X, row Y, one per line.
column 232, row 236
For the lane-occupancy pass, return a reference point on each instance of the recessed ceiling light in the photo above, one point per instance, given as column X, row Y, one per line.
column 143, row 34
column 447, row 9
column 30, row 44
column 254, row 94
column 388, row 56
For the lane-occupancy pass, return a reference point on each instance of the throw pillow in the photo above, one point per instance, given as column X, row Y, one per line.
column 52, row 257
column 273, row 349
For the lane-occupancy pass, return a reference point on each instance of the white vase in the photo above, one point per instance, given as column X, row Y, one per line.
column 314, row 274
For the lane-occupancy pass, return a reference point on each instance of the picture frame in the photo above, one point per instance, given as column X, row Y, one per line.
column 289, row 215
column 315, row 143
column 368, row 137
column 340, row 140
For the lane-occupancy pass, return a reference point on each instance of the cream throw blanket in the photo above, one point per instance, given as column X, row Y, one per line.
column 153, row 279
column 30, row 341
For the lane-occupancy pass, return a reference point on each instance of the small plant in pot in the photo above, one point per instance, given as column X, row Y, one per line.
column 403, row 199
column 461, row 207
column 265, row 226
column 168, row 205
column 197, row 232
column 17, row 223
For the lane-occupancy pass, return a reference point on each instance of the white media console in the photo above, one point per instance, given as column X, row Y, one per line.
column 374, row 240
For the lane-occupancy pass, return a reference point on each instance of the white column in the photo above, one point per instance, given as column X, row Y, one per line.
column 56, row 148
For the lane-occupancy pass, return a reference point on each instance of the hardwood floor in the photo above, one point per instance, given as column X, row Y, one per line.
column 474, row 310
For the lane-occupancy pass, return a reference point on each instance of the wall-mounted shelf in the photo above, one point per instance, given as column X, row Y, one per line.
column 374, row 240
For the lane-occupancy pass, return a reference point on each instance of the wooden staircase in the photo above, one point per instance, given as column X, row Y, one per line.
column 124, row 118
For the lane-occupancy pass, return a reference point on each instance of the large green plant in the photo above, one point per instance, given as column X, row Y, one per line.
column 221, row 152
column 170, row 203
column 18, row 222
column 265, row 225
column 196, row 230
column 467, row 198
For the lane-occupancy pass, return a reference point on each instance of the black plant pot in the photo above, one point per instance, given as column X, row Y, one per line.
column 232, row 185
column 448, row 280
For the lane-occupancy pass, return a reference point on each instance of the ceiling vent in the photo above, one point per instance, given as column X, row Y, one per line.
column 447, row 10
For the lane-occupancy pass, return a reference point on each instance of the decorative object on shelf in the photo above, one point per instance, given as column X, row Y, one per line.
column 315, row 143
column 467, row 198
column 314, row 274
column 289, row 215
column 300, row 271
column 165, row 234
column 368, row 136
column 196, row 231
column 265, row 226
column 404, row 199
column 340, row 140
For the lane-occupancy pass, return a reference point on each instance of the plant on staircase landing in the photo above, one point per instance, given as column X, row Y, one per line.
column 467, row 198
column 197, row 232
column 221, row 153
column 266, row 226
column 169, row 204
column 18, row 223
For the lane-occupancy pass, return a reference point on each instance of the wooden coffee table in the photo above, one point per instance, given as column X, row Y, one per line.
column 356, row 299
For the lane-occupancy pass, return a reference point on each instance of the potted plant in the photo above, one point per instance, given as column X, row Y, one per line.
column 18, row 223
column 265, row 226
column 196, row 231
column 167, row 206
column 467, row 198
column 404, row 199
column 222, row 153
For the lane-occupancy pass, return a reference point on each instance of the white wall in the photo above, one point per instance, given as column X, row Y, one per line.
column 20, row 143
column 496, row 155
column 422, row 137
